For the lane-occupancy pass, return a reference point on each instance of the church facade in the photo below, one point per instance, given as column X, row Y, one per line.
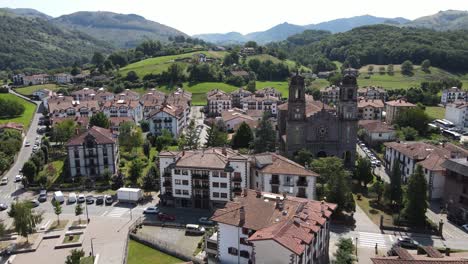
column 324, row 131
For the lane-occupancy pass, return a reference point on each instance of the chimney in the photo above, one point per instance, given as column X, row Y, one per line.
column 279, row 203
column 241, row 216
column 223, row 151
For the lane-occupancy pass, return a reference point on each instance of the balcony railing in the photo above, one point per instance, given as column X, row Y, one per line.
column 301, row 195
column 237, row 179
column 302, row 183
column 237, row 190
column 199, row 176
column 167, row 184
column 275, row 181
column 199, row 186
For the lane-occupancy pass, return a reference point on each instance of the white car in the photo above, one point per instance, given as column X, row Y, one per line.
column 81, row 198
column 4, row 181
column 151, row 210
column 71, row 198
column 465, row 227
column 18, row 177
column 27, row 144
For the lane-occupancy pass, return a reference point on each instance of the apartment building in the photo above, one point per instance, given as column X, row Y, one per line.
column 330, row 94
column 394, row 108
column 373, row 93
column 267, row 228
column 168, row 117
column 93, row 152
column 370, row 109
column 218, row 101
column 452, row 95
column 457, row 113
column 263, row 103
column 456, row 188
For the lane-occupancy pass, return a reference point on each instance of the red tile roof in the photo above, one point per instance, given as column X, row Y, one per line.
column 375, row 126
column 400, row 102
column 100, row 135
column 278, row 164
column 376, row 103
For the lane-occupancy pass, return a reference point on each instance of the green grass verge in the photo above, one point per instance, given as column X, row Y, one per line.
column 160, row 64
column 369, row 206
column 52, row 171
column 58, row 225
column 87, row 260
column 435, row 112
column 142, row 254
column 71, row 239
column 29, row 90
column 28, row 114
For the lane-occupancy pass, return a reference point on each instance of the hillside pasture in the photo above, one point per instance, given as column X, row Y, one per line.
column 26, row 117
column 29, row 90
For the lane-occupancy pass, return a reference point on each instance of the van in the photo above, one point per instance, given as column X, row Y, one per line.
column 58, row 197
column 191, row 229
column 72, row 198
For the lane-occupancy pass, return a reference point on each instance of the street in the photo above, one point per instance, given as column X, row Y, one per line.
column 198, row 116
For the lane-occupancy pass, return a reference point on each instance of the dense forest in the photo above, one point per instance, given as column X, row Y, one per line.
column 36, row 43
column 378, row 44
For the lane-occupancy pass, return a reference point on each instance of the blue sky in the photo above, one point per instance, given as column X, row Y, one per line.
column 220, row 16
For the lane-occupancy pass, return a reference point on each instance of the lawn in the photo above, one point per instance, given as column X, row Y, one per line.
column 435, row 112
column 160, row 64
column 264, row 57
column 52, row 171
column 399, row 80
column 142, row 254
column 372, row 210
column 58, row 225
column 29, row 90
column 87, row 260
column 28, row 114
column 71, row 239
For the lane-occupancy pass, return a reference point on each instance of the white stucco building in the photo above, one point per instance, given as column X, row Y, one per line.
column 169, row 117
column 457, row 113
column 452, row 95
column 376, row 132
column 218, row 101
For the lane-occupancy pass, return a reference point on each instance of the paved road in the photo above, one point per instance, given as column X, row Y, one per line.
column 199, row 117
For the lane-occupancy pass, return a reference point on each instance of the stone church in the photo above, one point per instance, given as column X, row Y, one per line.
column 304, row 123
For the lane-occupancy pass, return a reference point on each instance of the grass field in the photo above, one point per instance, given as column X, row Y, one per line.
column 142, row 254
column 264, row 57
column 160, row 64
column 29, row 90
column 28, row 114
column 435, row 112
column 399, row 80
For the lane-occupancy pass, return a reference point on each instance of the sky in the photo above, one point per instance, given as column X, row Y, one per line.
column 244, row 16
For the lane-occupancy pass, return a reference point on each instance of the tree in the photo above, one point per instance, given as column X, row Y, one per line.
column 135, row 170
column 414, row 117
column 57, row 210
column 370, row 69
column 252, row 86
column 416, row 198
column 390, row 69
column 149, row 181
column 215, row 136
column 407, row 68
column 303, row 157
column 364, row 171
column 409, row 133
column 164, row 140
column 378, row 188
column 99, row 119
column 130, row 136
column 10, row 108
column 78, row 211
column 192, row 136
column 425, row 65
column 344, row 253
column 145, row 126
column 63, row 131
column 24, row 219
column 243, row 137
column 395, row 183
column 98, row 59
column 29, row 170
column 117, row 181
column 382, row 70
column 146, row 148
column 265, row 136
column 75, row 256
column 131, row 76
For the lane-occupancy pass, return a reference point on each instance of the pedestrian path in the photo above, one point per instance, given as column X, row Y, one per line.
column 370, row 239
column 116, row 212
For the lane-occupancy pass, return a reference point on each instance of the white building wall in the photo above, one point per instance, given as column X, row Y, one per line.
column 229, row 236
column 435, row 183
column 456, row 115
column 270, row 252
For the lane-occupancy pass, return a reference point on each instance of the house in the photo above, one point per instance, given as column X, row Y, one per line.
column 18, row 79
column 115, row 123
column 80, row 78
column 456, row 188
column 457, row 113
column 325, row 74
column 42, row 94
column 266, row 228
column 206, row 178
column 123, row 108
column 218, row 101
column 232, row 118
column 247, row 51
column 263, row 103
column 151, row 101
column 373, row 93
column 370, row 109
column 237, row 95
column 128, row 95
column 62, row 78
column 428, row 255
column 274, row 173
column 394, row 108
column 82, row 122
column 84, row 94
column 167, row 117
column 92, row 153
column 67, row 106
column 430, row 157
column 452, row 95
column 330, row 94
column 269, row 91
column 376, row 132
column 35, row 79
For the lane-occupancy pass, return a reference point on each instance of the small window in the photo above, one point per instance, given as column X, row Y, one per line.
column 185, row 192
column 223, row 185
column 216, row 174
column 177, row 172
column 215, row 184
column 178, row 191
column 245, row 254
column 245, row 231
column 223, row 175
column 184, row 182
column 177, row 182
column 216, row 194
column 232, row 251
column 223, row 195
column 237, row 174
column 184, row 172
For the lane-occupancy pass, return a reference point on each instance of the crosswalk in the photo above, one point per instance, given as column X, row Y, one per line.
column 371, row 239
column 116, row 212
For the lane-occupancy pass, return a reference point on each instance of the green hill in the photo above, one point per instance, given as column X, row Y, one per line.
column 443, row 20
column 159, row 64
column 264, row 57
column 35, row 43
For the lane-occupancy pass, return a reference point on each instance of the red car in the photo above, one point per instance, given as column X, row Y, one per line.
column 165, row 217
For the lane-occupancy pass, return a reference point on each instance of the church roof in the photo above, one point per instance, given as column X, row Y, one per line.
column 312, row 106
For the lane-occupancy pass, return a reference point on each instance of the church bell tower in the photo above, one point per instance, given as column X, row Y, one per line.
column 347, row 105
column 296, row 100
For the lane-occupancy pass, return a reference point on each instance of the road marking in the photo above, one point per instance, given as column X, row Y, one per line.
column 118, row 212
column 103, row 214
column 392, row 239
column 371, row 239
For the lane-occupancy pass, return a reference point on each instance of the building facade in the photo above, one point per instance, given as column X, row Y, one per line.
column 456, row 188
column 262, row 103
column 376, row 132
column 218, row 102
column 92, row 153
column 373, row 93
column 394, row 108
column 452, row 95
column 457, row 113
column 330, row 95
column 168, row 117
column 370, row 109
column 324, row 132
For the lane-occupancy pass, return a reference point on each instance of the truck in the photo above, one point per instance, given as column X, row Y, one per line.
column 129, row 195
column 58, row 197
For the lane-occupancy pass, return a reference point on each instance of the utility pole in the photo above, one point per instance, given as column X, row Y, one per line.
column 86, row 206
column 356, row 245
column 92, row 248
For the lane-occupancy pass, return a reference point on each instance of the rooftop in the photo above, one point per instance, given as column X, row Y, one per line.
column 400, row 103
column 375, row 126
column 273, row 163
column 99, row 134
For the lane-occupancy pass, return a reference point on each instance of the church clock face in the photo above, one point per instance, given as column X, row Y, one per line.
column 322, row 131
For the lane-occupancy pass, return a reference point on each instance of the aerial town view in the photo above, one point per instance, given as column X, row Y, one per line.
column 245, row 132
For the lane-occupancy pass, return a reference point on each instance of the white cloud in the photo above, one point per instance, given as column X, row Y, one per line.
column 207, row 16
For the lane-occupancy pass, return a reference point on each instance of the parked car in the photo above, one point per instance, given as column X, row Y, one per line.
column 8, row 250
column 58, row 197
column 100, row 199
column 81, row 198
column 465, row 227
column 151, row 210
column 205, row 221
column 407, row 242
column 3, row 207
column 72, row 198
column 18, row 178
column 89, row 199
column 4, row 181
column 191, row 229
column 42, row 196
column 166, row 217
column 109, row 199
column 27, row 144
column 34, row 203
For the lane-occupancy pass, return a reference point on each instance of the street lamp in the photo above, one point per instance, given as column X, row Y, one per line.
column 356, row 245
column 92, row 248
column 86, row 206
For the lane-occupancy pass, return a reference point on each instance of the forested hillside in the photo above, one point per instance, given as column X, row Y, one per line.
column 379, row 44
column 35, row 43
